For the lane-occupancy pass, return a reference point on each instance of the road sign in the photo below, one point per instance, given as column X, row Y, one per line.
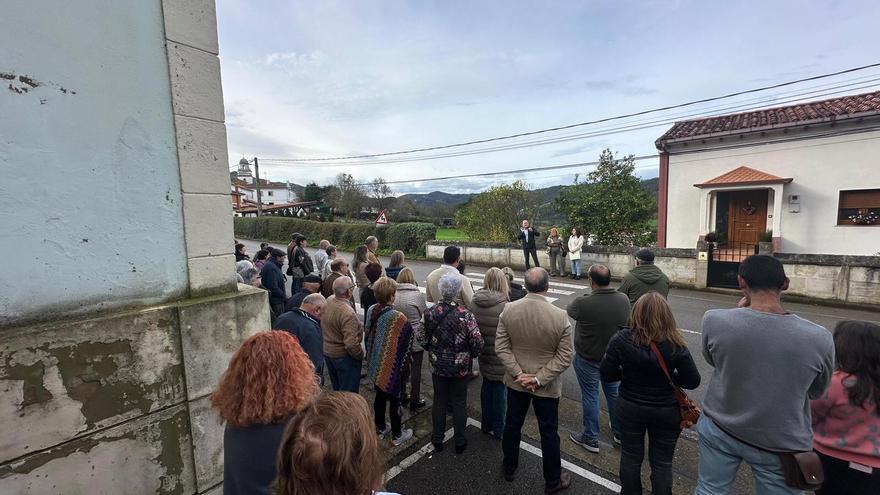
column 382, row 219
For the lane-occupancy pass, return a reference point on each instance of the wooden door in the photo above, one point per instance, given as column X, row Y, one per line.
column 747, row 215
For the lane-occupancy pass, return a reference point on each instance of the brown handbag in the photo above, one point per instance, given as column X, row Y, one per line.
column 689, row 411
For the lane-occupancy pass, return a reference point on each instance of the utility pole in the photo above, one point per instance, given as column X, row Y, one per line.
column 257, row 182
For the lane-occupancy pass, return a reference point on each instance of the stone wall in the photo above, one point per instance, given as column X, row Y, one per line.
column 119, row 404
column 833, row 278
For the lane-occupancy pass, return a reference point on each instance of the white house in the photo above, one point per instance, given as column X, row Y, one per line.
column 271, row 192
column 810, row 173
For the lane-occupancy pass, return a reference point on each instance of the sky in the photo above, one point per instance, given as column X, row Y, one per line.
column 328, row 78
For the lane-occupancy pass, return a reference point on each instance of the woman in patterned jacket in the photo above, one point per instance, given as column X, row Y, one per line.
column 454, row 340
column 388, row 336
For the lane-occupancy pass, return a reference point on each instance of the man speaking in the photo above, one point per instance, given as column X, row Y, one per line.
column 527, row 236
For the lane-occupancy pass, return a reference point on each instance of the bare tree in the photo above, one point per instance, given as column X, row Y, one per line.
column 381, row 194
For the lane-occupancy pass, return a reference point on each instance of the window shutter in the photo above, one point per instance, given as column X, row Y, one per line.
column 868, row 198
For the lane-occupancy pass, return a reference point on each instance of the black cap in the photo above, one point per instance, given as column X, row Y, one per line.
column 297, row 237
column 277, row 252
column 645, row 255
column 312, row 279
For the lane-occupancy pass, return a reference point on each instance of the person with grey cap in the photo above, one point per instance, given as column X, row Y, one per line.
column 453, row 341
column 644, row 278
column 299, row 261
column 310, row 285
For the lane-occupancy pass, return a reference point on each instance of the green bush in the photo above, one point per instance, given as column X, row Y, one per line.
column 408, row 237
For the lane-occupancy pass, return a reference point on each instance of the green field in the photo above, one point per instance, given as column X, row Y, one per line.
column 451, row 235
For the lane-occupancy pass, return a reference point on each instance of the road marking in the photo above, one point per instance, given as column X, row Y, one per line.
column 550, row 291
column 429, row 448
column 574, row 468
column 690, row 331
column 558, row 284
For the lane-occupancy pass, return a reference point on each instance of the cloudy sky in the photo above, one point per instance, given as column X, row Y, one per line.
column 331, row 78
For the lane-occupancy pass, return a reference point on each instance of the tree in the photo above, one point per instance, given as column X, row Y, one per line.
column 313, row 192
column 611, row 204
column 380, row 193
column 494, row 215
column 346, row 195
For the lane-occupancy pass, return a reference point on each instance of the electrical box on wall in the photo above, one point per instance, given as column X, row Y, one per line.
column 794, row 203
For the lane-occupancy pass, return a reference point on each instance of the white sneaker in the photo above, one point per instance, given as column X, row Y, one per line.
column 404, row 437
column 385, row 432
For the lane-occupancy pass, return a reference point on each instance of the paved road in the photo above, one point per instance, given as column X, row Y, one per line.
column 687, row 305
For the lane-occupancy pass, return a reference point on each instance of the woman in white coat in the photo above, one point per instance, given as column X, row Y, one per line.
column 575, row 244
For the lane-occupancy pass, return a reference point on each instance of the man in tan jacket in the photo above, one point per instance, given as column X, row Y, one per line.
column 451, row 259
column 343, row 334
column 534, row 343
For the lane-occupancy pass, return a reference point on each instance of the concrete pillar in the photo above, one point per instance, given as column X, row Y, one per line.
column 197, row 104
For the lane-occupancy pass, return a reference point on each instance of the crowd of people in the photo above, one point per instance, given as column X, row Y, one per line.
column 797, row 403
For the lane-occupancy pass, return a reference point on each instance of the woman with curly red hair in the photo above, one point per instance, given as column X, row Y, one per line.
column 269, row 379
column 331, row 448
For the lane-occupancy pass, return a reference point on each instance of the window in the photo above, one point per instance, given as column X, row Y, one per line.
column 269, row 193
column 860, row 207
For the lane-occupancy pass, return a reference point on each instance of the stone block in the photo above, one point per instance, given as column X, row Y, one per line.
column 820, row 288
column 64, row 380
column 207, row 220
column 201, row 151
column 192, row 22
column 195, row 82
column 211, row 330
column 207, row 438
column 211, row 275
column 151, row 454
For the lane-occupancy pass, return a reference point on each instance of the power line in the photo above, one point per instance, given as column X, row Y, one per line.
column 632, row 126
column 637, row 158
column 606, row 119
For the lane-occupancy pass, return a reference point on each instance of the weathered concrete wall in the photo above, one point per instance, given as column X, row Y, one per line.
column 119, row 404
column 850, row 279
column 90, row 195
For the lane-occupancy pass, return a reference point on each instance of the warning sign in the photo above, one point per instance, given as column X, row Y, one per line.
column 382, row 219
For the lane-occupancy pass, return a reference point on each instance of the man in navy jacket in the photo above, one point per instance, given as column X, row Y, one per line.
column 527, row 236
column 274, row 282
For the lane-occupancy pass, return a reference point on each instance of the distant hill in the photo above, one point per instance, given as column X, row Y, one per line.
column 437, row 198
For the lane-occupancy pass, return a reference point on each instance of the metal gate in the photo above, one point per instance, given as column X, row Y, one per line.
column 724, row 259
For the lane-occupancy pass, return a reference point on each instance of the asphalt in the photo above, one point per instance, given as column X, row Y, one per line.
column 688, row 307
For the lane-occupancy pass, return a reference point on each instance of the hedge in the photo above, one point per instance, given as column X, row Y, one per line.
column 408, row 237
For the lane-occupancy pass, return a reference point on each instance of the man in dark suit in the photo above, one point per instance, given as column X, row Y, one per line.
column 527, row 236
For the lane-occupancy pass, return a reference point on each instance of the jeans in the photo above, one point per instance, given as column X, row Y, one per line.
column 720, row 457
column 547, row 412
column 493, row 405
column 379, row 409
column 661, row 423
column 576, row 267
column 841, row 479
column 534, row 253
column 588, row 378
column 345, row 373
column 449, row 390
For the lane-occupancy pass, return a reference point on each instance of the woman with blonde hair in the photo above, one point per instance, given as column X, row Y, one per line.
column 395, row 265
column 330, row 448
column 269, row 379
column 487, row 305
column 410, row 301
column 646, row 402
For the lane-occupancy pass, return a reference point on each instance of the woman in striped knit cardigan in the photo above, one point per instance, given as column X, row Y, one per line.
column 388, row 337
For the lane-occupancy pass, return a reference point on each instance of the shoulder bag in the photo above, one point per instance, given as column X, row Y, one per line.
column 689, row 411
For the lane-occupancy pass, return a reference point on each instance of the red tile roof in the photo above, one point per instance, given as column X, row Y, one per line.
column 744, row 176
column 263, row 184
column 814, row 111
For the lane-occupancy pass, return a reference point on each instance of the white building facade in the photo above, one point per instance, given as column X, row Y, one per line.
column 809, row 173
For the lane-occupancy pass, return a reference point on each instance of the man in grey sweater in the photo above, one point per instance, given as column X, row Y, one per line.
column 768, row 365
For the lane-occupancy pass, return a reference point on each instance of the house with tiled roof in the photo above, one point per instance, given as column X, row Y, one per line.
column 271, row 193
column 806, row 176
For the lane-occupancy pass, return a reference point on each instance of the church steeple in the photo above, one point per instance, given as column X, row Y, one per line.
column 244, row 171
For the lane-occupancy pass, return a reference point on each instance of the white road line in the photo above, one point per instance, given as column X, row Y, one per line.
column 685, row 330
column 415, row 457
column 550, row 291
column 574, row 468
